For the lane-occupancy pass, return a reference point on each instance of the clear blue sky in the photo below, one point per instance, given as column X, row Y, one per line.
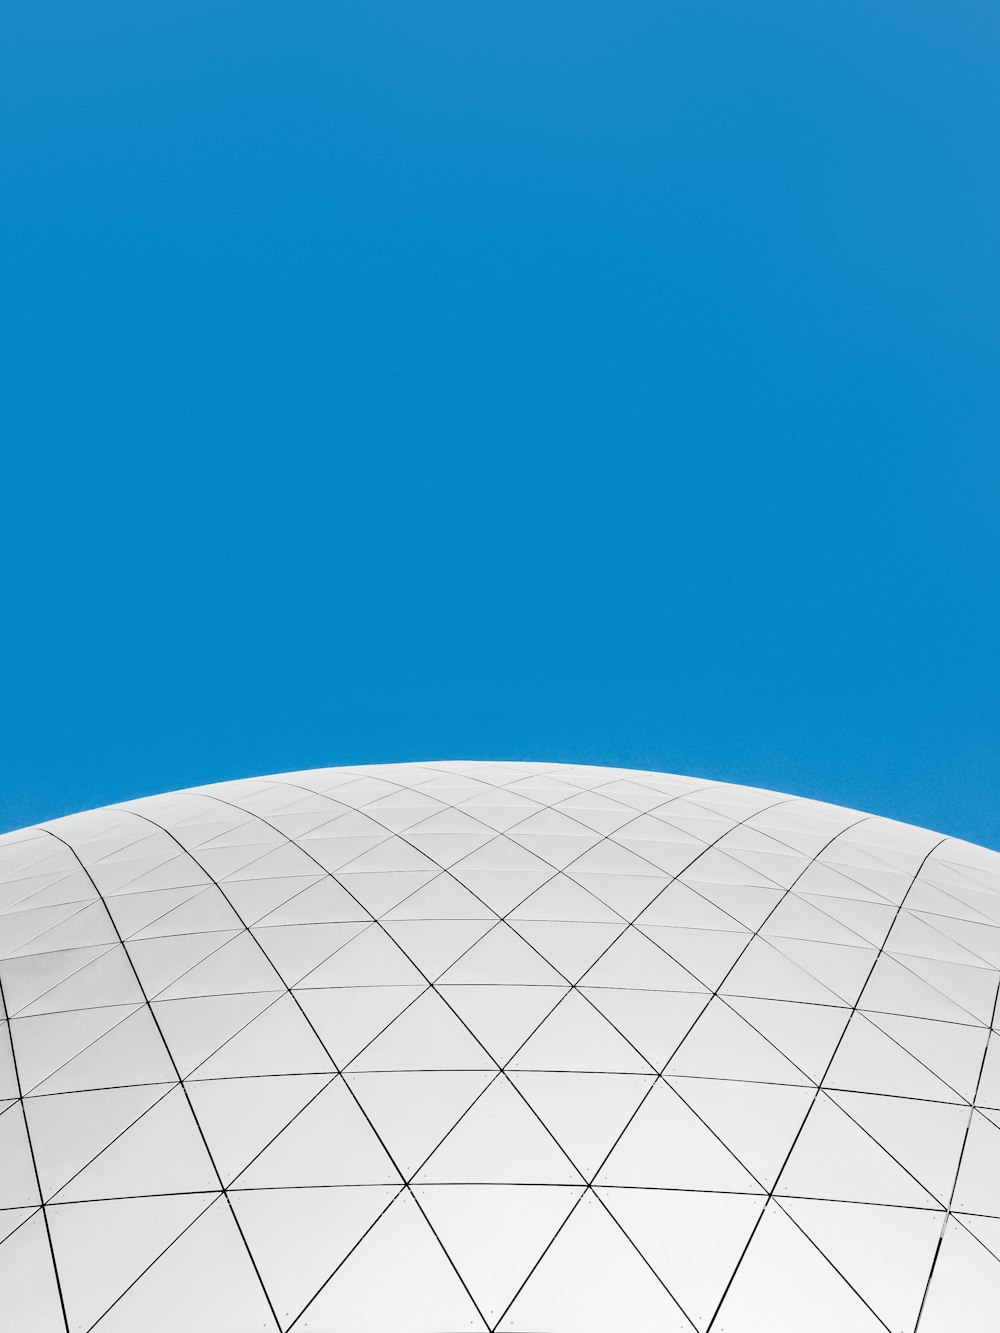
column 543, row 379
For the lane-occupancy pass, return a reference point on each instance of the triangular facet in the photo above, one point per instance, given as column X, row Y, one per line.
column 28, row 980
column 195, row 1028
column 433, row 946
column 239, row 1117
column 974, row 989
column 296, row 950
column 570, row 946
column 834, row 1158
column 756, row 1121
column 278, row 1041
column 634, row 960
column 418, row 1279
column 47, row 1043
column 802, row 918
column 161, row 1152
column 298, row 1237
column 502, row 1017
column 499, row 1141
column 722, row 1045
column 330, row 1142
column 925, row 1137
column 884, row 1253
column 585, row 1113
column 103, row 1247
column 666, row 1146
column 784, row 1282
column 964, row 1291
column 69, row 1129
column 494, row 1234
column 134, row 1045
column 842, row 968
column 692, row 1240
column 867, row 1060
column 412, row 1112
column 953, row 1052
column 576, row 1036
column 183, row 1290
column 501, row 958
column 561, row 899
column 106, row 980
column 443, row 899
column 679, row 905
column 238, row 967
column 763, row 971
column 895, row 989
column 372, row 958
column 254, row 899
column 707, row 954
column 379, row 891
column 321, row 902
column 347, row 1018
column 569, row 1287
column 807, row 1034
column 427, row 1035
column 654, row 1022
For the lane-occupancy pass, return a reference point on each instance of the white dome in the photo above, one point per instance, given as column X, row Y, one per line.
column 524, row 1047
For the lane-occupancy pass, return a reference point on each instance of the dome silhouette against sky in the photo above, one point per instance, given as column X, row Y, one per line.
column 532, row 1048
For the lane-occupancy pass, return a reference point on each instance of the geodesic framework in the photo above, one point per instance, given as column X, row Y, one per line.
column 520, row 1047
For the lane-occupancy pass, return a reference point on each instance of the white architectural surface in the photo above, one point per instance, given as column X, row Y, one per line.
column 524, row 1047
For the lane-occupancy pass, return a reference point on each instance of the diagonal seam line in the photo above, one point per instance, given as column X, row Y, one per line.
column 173, row 1062
column 958, row 1167
column 307, row 1019
column 442, row 869
column 122, row 1294
column 111, row 1142
column 576, row 985
column 79, row 906
column 430, row 984
column 715, row 993
column 497, row 835
column 843, row 1277
column 133, row 1008
column 30, row 1004
column 34, row 1167
column 652, row 1085
column 854, row 1009
column 392, row 834
column 869, row 1017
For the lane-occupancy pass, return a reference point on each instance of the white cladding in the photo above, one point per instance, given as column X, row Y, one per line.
column 525, row 1047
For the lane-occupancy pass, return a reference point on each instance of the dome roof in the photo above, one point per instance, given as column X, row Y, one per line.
column 524, row 1047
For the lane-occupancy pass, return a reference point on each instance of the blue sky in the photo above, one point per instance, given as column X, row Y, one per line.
column 610, row 383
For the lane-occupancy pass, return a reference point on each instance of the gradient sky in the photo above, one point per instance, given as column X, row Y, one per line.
column 611, row 383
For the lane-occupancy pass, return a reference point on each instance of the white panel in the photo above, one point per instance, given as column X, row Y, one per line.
column 497, row 1046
